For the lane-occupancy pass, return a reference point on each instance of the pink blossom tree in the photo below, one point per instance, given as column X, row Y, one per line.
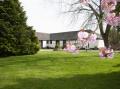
column 104, row 11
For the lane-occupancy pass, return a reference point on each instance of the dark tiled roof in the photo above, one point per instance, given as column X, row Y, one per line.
column 43, row 36
column 64, row 36
column 72, row 35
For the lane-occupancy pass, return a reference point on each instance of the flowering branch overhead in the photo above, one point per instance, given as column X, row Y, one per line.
column 108, row 7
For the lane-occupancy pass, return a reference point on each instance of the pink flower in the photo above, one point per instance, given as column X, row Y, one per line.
column 82, row 35
column 72, row 48
column 108, row 5
column 92, row 38
column 113, row 20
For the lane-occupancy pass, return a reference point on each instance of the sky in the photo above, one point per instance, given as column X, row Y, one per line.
column 47, row 16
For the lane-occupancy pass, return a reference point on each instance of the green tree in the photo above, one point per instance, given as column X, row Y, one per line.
column 114, row 38
column 16, row 38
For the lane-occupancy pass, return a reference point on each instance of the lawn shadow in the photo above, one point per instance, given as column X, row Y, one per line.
column 83, row 81
column 118, row 65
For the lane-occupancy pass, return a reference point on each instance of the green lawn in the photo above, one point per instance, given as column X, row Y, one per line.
column 60, row 70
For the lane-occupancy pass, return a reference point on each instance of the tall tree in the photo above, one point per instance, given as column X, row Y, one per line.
column 16, row 38
column 94, row 9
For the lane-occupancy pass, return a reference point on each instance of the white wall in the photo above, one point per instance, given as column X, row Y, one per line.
column 44, row 44
column 61, row 44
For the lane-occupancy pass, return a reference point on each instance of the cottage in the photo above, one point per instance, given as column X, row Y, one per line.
column 50, row 40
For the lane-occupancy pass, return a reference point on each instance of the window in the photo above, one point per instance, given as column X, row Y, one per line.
column 50, row 41
column 47, row 41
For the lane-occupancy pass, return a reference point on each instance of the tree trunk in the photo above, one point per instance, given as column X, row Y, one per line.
column 104, row 34
column 106, row 41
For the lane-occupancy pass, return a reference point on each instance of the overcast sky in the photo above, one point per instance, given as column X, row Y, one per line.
column 46, row 16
